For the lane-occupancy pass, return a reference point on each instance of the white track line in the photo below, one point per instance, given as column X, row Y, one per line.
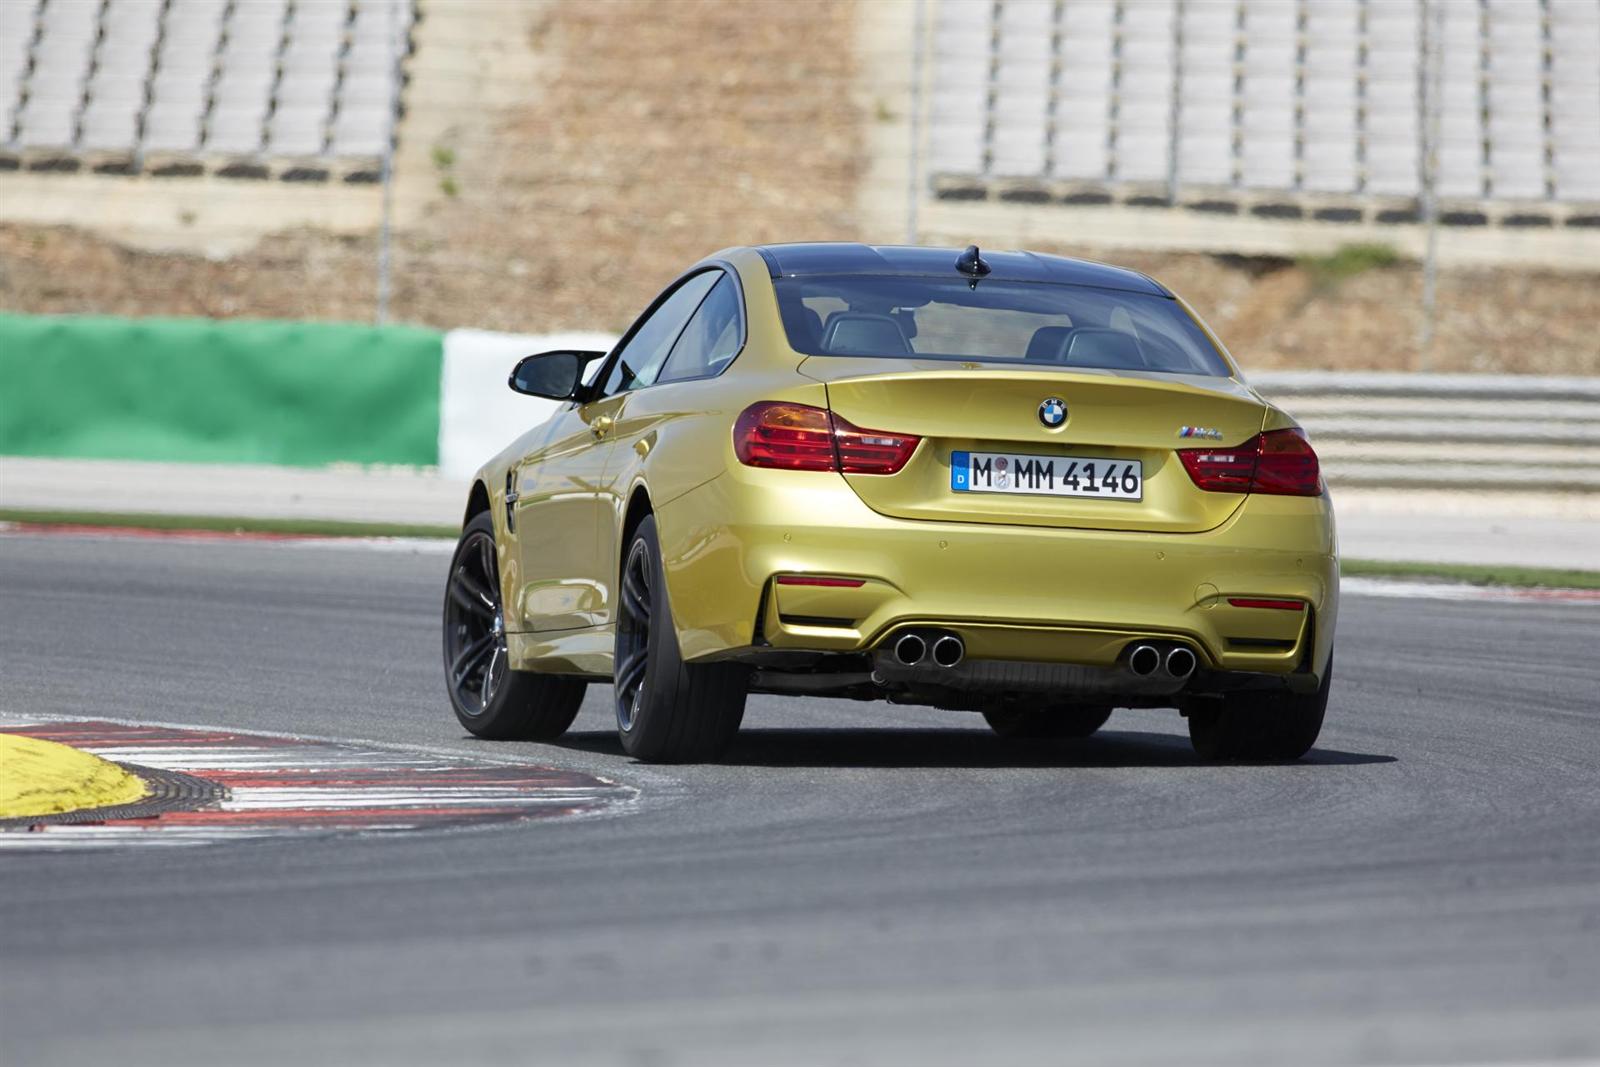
column 1419, row 590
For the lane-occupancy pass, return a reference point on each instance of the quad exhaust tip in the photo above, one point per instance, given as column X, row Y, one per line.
column 948, row 650
column 1180, row 662
column 910, row 649
column 1144, row 660
column 945, row 650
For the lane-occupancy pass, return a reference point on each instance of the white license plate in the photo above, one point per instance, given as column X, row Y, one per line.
column 1007, row 472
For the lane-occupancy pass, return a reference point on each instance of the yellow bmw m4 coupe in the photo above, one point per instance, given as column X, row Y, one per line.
column 1032, row 487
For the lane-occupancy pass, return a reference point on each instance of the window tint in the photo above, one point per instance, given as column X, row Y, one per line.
column 640, row 361
column 712, row 337
column 1045, row 325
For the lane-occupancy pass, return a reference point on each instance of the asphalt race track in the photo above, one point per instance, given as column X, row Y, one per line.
column 859, row 883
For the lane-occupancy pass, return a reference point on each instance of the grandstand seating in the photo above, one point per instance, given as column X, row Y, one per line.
column 293, row 87
column 1251, row 100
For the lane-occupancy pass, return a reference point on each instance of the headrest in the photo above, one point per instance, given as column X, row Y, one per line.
column 864, row 333
column 1098, row 347
column 1048, row 344
column 813, row 323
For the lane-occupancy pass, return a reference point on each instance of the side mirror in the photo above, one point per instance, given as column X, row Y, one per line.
column 557, row 375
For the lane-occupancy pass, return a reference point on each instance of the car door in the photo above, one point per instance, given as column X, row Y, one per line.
column 677, row 405
column 563, row 501
column 554, row 517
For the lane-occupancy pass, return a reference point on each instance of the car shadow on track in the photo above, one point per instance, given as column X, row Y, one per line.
column 914, row 748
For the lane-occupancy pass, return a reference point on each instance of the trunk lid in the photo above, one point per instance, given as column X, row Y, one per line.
column 988, row 408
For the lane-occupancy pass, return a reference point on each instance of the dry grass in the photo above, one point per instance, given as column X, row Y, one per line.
column 1275, row 313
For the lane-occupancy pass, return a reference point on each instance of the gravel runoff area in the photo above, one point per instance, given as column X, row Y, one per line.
column 857, row 883
column 1429, row 526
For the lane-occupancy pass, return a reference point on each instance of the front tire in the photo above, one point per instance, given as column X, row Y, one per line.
column 490, row 699
column 1062, row 720
column 668, row 711
column 1260, row 726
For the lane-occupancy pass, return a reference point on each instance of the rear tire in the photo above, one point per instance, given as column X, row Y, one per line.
column 1260, row 726
column 1061, row 720
column 668, row 711
column 490, row 699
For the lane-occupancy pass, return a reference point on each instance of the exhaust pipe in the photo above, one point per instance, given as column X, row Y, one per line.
column 1144, row 660
column 910, row 649
column 1180, row 662
column 948, row 650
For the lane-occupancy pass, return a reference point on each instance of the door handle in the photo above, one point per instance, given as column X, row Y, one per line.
column 601, row 426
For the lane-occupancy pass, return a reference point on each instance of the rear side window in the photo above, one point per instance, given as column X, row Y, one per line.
column 1067, row 327
column 640, row 361
column 712, row 338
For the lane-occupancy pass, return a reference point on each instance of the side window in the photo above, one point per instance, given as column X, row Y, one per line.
column 712, row 337
column 639, row 363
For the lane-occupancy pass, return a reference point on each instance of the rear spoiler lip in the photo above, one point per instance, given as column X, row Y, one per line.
column 1207, row 383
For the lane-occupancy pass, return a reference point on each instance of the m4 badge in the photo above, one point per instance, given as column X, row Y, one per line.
column 1205, row 433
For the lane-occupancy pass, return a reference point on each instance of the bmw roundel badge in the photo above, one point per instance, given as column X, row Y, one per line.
column 1053, row 412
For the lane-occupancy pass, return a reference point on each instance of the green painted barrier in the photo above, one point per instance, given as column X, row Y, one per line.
column 218, row 391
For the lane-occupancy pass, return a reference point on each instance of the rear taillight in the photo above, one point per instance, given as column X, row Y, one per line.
column 1278, row 462
column 871, row 451
column 795, row 437
column 800, row 437
column 1288, row 465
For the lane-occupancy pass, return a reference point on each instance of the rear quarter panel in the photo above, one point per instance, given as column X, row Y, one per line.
column 675, row 437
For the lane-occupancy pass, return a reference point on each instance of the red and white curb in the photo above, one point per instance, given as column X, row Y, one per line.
column 271, row 786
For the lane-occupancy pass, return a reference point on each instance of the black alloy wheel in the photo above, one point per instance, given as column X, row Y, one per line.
column 1251, row 726
column 668, row 711
column 475, row 656
column 633, row 634
column 490, row 699
column 1052, row 721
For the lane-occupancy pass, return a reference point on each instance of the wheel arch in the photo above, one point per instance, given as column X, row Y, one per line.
column 638, row 507
column 477, row 502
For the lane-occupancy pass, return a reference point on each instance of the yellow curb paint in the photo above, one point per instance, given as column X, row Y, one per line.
column 44, row 778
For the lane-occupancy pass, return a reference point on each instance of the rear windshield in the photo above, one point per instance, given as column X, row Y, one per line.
column 1046, row 325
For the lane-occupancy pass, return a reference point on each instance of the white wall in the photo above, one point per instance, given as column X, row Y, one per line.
column 478, row 413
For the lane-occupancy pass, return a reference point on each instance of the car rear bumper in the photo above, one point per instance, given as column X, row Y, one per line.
column 1012, row 592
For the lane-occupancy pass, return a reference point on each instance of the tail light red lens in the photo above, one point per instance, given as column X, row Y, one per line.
column 794, row 437
column 804, row 438
column 1288, row 465
column 871, row 451
column 1277, row 462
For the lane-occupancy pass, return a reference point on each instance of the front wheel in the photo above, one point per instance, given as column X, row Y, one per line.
column 1062, row 720
column 490, row 699
column 1260, row 726
column 668, row 711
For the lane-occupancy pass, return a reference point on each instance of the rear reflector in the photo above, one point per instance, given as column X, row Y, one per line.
column 804, row 438
column 1277, row 462
column 816, row 580
column 1258, row 602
